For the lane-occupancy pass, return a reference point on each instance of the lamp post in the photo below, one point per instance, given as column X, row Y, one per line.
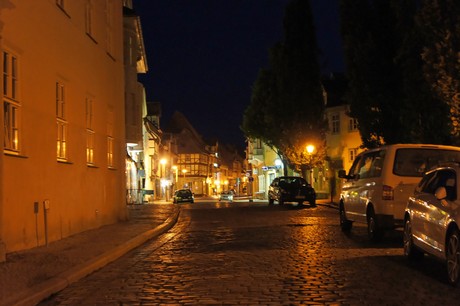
column 310, row 149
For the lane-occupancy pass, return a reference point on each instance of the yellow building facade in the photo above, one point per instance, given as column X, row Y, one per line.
column 63, row 163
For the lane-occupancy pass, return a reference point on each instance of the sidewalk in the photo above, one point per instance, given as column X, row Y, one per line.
column 27, row 277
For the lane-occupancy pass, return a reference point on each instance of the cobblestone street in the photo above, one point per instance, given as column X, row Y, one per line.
column 254, row 254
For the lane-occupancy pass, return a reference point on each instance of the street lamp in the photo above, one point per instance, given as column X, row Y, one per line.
column 310, row 149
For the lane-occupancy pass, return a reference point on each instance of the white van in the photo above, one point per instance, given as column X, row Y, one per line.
column 380, row 181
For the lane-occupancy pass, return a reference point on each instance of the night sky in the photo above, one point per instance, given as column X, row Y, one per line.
column 204, row 55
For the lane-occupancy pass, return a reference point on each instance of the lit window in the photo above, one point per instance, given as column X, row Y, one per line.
column 11, row 105
column 89, row 132
column 61, row 122
column 110, row 162
column 90, row 147
column 110, row 140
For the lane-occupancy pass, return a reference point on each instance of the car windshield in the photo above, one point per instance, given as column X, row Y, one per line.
column 292, row 181
column 415, row 162
column 183, row 193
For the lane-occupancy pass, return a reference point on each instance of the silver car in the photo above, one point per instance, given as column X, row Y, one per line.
column 432, row 218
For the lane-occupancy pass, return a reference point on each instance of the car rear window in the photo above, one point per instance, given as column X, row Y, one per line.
column 416, row 161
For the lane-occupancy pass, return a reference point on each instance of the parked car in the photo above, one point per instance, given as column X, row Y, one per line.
column 226, row 196
column 432, row 219
column 291, row 189
column 380, row 181
column 183, row 195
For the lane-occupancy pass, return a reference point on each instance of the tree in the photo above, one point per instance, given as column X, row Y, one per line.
column 287, row 107
column 440, row 22
column 388, row 93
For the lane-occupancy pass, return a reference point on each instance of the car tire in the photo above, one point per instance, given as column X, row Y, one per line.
column 411, row 252
column 312, row 203
column 345, row 224
column 374, row 233
column 453, row 257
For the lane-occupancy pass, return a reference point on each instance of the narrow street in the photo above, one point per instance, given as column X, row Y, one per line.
column 255, row 254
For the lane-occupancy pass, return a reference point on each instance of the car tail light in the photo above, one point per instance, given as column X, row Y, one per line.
column 387, row 193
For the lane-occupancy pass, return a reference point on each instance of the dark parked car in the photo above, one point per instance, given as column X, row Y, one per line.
column 291, row 189
column 183, row 195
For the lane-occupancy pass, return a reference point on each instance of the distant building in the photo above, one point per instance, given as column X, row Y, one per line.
column 205, row 167
column 197, row 163
column 343, row 138
column 63, row 161
column 135, row 62
column 153, row 142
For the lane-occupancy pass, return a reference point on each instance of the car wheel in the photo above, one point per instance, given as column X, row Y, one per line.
column 410, row 250
column 453, row 258
column 313, row 203
column 345, row 224
column 374, row 233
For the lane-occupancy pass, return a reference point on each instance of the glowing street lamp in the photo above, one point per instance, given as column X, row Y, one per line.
column 310, row 149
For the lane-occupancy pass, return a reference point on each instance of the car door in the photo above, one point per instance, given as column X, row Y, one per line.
column 350, row 196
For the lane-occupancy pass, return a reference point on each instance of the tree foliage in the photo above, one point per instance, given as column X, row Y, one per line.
column 389, row 91
column 287, row 108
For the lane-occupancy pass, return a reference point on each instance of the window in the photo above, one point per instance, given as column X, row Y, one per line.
column 352, row 154
column 61, row 122
column 89, row 132
column 335, row 128
column 443, row 178
column 90, row 147
column 371, row 164
column 110, row 140
column 352, row 125
column 11, row 105
column 110, row 162
column 415, row 162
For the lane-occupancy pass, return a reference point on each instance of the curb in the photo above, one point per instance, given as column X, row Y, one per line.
column 38, row 293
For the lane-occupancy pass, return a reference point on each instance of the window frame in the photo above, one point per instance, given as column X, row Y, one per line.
column 61, row 122
column 11, row 103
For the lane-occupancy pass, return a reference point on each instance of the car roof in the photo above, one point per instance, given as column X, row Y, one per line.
column 411, row 146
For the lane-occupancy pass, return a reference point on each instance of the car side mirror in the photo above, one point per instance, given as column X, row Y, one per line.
column 342, row 174
column 440, row 193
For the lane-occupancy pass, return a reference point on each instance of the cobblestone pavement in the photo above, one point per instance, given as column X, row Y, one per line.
column 254, row 254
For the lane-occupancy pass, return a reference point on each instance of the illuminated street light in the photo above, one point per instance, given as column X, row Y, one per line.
column 310, row 150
